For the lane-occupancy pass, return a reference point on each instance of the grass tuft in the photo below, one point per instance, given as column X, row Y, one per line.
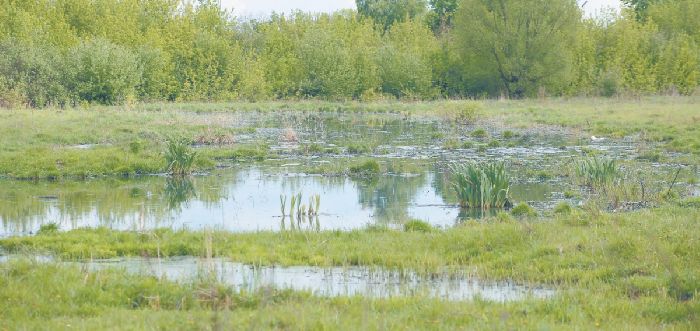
column 179, row 157
column 486, row 186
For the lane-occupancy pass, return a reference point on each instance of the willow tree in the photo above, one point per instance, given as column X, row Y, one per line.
column 515, row 46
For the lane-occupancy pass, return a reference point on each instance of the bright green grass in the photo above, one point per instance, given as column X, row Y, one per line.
column 626, row 271
column 72, row 299
column 580, row 248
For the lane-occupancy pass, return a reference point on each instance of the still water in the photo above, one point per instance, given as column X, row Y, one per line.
column 244, row 199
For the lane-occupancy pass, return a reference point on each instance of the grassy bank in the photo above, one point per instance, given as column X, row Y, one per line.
column 73, row 299
column 613, row 271
column 130, row 140
column 659, row 248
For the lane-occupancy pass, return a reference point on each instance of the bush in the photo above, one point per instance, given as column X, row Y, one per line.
column 100, row 71
column 30, row 75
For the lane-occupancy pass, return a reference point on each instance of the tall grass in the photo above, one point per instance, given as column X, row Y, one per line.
column 596, row 173
column 481, row 186
column 179, row 157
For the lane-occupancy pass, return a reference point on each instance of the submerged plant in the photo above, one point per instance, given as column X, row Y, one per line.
column 179, row 157
column 486, row 186
column 596, row 173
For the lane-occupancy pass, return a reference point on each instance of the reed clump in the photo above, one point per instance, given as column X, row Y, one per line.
column 481, row 186
column 598, row 174
column 179, row 157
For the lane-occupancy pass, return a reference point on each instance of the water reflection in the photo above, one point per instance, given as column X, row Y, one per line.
column 242, row 200
column 329, row 282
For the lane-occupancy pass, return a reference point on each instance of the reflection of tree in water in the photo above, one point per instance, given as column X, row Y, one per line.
column 442, row 183
column 389, row 196
column 178, row 192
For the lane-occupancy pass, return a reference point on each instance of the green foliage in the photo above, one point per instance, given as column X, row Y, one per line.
column 441, row 15
column 67, row 53
column 387, row 12
column 596, row 173
column 48, row 228
column 486, row 186
column 34, row 73
column 515, row 47
column 367, row 168
column 179, row 157
column 417, row 226
column 405, row 60
column 563, row 208
column 523, row 210
column 100, row 71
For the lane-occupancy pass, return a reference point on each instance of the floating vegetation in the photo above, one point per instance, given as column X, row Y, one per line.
column 179, row 157
column 596, row 173
column 486, row 186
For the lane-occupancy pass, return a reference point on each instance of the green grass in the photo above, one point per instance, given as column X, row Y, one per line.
column 130, row 140
column 613, row 271
column 72, row 299
column 481, row 186
column 179, row 157
column 597, row 174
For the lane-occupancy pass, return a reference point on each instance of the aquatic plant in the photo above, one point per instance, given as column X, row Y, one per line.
column 563, row 208
column 179, row 157
column 417, row 226
column 523, row 210
column 479, row 133
column 486, row 186
column 283, row 203
column 47, row 228
column 367, row 168
column 596, row 173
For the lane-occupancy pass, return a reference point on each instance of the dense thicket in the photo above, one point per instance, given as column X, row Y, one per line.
column 66, row 52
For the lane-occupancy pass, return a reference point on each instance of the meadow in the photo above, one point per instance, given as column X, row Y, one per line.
column 615, row 234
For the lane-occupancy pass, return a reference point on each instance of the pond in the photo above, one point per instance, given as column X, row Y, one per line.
column 242, row 200
column 247, row 197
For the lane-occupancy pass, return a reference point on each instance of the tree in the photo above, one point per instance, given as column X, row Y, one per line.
column 387, row 12
column 515, row 46
column 441, row 15
column 639, row 7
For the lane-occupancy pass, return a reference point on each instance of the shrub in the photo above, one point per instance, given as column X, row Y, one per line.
column 483, row 187
column 100, row 71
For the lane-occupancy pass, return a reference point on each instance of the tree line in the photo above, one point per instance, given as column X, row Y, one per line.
column 68, row 52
